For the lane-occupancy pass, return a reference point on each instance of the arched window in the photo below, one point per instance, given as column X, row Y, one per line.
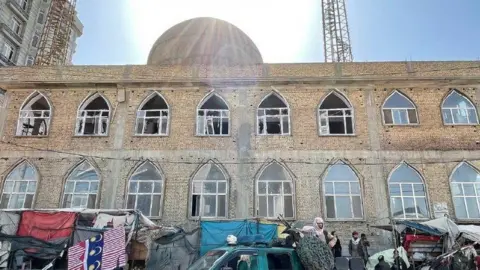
column 343, row 198
column 465, row 183
column 213, row 116
column 273, row 116
column 209, row 192
column 145, row 190
column 407, row 193
column 275, row 194
column 458, row 110
column 19, row 187
column 93, row 116
column 153, row 116
column 335, row 114
column 34, row 116
column 398, row 109
column 81, row 187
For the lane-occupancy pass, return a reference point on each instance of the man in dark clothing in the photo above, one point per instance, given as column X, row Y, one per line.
column 398, row 262
column 382, row 264
column 364, row 245
column 337, row 248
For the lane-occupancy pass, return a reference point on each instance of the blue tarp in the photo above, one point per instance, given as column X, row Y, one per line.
column 214, row 233
column 421, row 227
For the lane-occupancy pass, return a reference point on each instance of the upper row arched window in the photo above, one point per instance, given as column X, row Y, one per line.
column 335, row 115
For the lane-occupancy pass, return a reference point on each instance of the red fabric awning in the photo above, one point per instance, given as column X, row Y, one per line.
column 45, row 225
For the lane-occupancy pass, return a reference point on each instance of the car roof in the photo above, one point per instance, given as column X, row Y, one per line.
column 240, row 247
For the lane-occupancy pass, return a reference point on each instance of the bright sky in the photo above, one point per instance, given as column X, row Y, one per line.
column 285, row 31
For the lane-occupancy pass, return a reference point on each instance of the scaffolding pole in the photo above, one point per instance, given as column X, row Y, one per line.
column 336, row 36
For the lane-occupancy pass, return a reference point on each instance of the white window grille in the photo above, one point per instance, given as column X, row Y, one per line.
column 93, row 117
column 34, row 116
column 145, row 190
column 273, row 116
column 458, row 110
column 407, row 193
column 8, row 51
column 29, row 60
column 209, row 193
column 399, row 110
column 81, row 187
column 342, row 192
column 275, row 193
column 16, row 26
column 19, row 187
column 153, row 116
column 335, row 115
column 213, row 117
column 465, row 183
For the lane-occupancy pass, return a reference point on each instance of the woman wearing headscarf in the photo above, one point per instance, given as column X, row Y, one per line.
column 321, row 233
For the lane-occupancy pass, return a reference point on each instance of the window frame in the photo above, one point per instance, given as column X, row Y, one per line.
column 204, row 116
column 16, row 23
column 450, row 109
column 12, row 51
column 36, row 180
column 477, row 196
column 41, row 13
column 161, row 118
column 153, row 193
column 263, row 118
column 405, row 109
column 349, row 195
column 48, row 118
column 191, row 193
column 36, row 36
column 414, row 197
column 84, row 104
column 67, row 179
column 282, row 193
column 344, row 116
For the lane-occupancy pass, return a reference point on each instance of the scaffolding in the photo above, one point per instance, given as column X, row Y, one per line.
column 336, row 36
column 56, row 35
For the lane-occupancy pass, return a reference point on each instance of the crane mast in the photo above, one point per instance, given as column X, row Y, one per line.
column 336, row 37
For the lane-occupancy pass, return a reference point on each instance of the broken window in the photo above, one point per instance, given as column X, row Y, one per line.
column 399, row 110
column 273, row 116
column 213, row 117
column 275, row 192
column 19, row 187
column 342, row 192
column 152, row 117
column 408, row 197
column 458, row 110
column 209, row 192
column 81, row 187
column 145, row 190
column 34, row 116
column 465, row 183
column 93, row 116
column 335, row 115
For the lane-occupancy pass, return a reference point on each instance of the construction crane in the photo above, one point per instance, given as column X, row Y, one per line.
column 54, row 43
column 336, row 37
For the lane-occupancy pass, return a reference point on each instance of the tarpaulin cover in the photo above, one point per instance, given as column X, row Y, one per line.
column 46, row 226
column 388, row 255
column 214, row 233
column 421, row 227
column 8, row 226
column 174, row 252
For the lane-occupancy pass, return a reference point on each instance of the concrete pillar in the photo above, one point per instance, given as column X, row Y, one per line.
column 3, row 110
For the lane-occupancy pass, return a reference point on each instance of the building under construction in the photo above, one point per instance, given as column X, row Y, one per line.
column 28, row 28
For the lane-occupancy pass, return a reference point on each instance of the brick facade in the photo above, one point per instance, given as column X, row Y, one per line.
column 432, row 148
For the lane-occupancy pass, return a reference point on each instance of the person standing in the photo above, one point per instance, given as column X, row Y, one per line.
column 364, row 244
column 382, row 264
column 320, row 232
column 337, row 248
column 398, row 262
column 354, row 247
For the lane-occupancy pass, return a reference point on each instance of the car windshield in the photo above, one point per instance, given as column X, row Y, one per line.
column 208, row 260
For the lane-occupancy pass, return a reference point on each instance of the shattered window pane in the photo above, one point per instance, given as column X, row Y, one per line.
column 209, row 191
column 152, row 117
column 19, row 187
column 34, row 117
column 273, row 116
column 93, row 117
column 335, row 116
column 81, row 187
column 213, row 117
column 145, row 189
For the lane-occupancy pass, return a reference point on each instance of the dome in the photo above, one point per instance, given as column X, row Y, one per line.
column 205, row 41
